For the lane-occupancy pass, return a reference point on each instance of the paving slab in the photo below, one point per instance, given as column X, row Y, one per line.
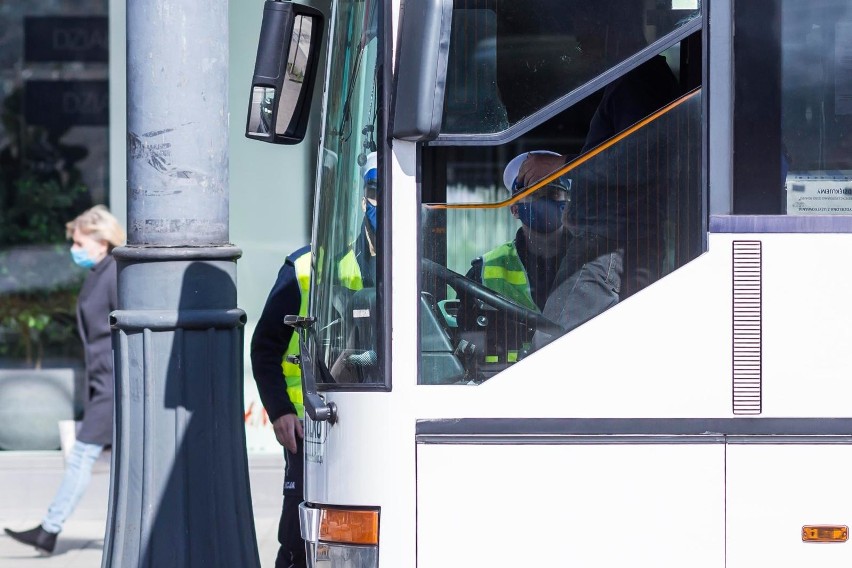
column 28, row 481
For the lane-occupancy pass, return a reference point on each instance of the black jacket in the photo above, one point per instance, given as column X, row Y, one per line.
column 98, row 297
column 271, row 338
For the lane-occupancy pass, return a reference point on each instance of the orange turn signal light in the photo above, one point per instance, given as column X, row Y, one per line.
column 825, row 533
column 349, row 526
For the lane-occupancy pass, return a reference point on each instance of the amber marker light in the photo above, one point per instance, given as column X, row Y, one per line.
column 825, row 533
column 349, row 526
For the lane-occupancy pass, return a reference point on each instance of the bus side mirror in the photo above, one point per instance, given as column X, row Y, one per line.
column 284, row 73
column 421, row 76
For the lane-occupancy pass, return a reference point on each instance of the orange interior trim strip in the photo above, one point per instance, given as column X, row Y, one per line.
column 579, row 160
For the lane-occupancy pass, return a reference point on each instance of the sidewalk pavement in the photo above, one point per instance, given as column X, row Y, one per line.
column 28, row 481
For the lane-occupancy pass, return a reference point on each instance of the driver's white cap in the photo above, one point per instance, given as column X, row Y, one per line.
column 514, row 166
column 368, row 170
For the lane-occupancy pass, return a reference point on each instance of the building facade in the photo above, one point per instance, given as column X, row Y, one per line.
column 63, row 149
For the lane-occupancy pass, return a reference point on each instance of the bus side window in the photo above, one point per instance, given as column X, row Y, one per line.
column 794, row 96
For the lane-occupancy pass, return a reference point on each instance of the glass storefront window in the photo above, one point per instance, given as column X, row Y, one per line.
column 53, row 165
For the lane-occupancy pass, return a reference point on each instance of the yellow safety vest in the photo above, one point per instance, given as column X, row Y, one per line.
column 292, row 372
column 503, row 272
column 348, row 271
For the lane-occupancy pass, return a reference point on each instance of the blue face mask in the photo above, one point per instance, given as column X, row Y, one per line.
column 542, row 215
column 371, row 214
column 81, row 258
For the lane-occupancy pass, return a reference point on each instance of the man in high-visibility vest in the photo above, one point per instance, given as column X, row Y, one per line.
column 617, row 225
column 356, row 267
column 356, row 272
column 523, row 269
column 279, row 383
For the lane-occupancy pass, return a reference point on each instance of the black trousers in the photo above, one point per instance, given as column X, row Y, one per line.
column 292, row 549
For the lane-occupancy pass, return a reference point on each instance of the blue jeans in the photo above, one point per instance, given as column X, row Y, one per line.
column 78, row 473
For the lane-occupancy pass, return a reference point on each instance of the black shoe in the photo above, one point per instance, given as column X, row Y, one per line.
column 42, row 540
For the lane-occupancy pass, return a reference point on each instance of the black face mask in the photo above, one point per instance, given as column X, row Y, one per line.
column 542, row 215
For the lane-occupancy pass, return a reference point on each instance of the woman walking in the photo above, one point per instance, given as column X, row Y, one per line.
column 94, row 233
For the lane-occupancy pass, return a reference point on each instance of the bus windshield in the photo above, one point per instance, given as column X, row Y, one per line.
column 496, row 278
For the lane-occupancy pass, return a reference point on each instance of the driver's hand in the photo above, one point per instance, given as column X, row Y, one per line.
column 286, row 429
column 537, row 167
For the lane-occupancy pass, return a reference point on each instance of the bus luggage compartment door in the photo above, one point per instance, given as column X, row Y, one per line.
column 774, row 491
column 570, row 504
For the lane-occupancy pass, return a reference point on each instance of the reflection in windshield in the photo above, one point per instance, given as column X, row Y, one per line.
column 815, row 107
column 510, row 59
column 347, row 218
column 300, row 46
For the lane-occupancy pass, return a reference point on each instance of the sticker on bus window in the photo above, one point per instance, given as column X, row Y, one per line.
column 819, row 195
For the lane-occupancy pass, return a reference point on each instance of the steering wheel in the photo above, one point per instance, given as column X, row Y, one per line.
column 472, row 288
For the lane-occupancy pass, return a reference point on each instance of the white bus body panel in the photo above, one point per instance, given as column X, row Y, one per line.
column 773, row 491
column 570, row 505
column 664, row 353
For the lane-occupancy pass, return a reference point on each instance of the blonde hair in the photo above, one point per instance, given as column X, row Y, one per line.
column 97, row 223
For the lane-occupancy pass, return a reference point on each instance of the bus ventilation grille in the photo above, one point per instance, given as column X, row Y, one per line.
column 747, row 334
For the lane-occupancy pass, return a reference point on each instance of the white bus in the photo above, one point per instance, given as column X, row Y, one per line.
column 698, row 417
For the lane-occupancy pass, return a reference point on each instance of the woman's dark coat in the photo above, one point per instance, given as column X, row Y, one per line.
column 98, row 297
